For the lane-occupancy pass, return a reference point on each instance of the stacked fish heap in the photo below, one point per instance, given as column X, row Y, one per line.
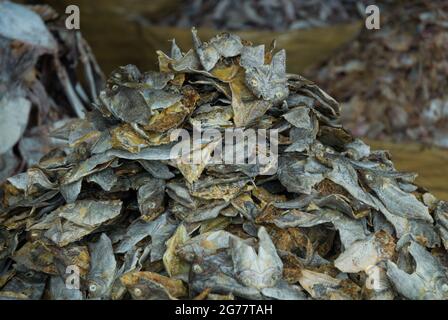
column 266, row 15
column 401, row 69
column 40, row 82
column 115, row 207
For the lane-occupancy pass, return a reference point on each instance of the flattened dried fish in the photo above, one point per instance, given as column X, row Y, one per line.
column 77, row 220
column 257, row 270
column 103, row 268
column 429, row 281
column 152, row 286
column 362, row 255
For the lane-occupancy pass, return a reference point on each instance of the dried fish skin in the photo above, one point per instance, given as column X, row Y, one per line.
column 245, row 113
column 31, row 180
column 10, row 163
column 299, row 117
column 428, row 281
column 160, row 230
column 125, row 138
column 27, row 38
column 156, row 169
column 193, row 171
column 357, row 149
column 254, row 270
column 305, row 129
column 174, row 114
column 378, row 286
column 71, row 191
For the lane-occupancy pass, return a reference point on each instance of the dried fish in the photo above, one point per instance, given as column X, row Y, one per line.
column 379, row 69
column 39, row 79
column 257, row 270
column 429, row 281
column 102, row 268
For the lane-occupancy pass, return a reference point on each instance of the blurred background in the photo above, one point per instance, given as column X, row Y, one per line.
column 392, row 82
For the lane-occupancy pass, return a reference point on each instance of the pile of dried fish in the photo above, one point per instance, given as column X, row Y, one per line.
column 39, row 59
column 117, row 208
column 275, row 15
column 393, row 81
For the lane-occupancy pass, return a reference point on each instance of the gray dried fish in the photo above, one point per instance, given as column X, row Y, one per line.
column 25, row 285
column 106, row 179
column 323, row 286
column 396, row 200
column 159, row 230
column 257, row 270
column 152, row 286
column 293, row 175
column 364, row 254
column 103, row 268
column 150, row 197
column 428, row 281
column 77, row 220
column 269, row 81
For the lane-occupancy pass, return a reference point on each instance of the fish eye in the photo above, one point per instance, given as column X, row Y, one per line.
column 138, row 292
